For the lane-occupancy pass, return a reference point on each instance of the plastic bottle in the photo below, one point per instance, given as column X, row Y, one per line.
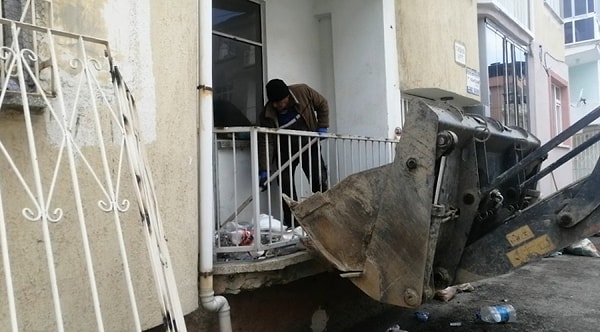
column 501, row 313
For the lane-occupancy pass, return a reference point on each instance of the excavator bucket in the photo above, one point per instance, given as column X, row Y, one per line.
column 398, row 230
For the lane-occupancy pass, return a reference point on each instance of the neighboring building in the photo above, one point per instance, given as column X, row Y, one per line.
column 582, row 38
column 501, row 59
column 584, row 163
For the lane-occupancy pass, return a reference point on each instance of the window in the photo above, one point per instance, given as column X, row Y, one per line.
column 559, row 105
column 34, row 13
column 557, row 109
column 237, row 62
column 579, row 20
column 507, row 79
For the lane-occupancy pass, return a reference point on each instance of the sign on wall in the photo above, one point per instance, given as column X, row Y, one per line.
column 460, row 53
column 473, row 81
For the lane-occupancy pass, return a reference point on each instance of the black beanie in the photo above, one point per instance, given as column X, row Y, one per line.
column 277, row 90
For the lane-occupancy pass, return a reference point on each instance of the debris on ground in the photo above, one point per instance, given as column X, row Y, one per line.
column 583, row 247
column 448, row 293
column 422, row 316
column 395, row 328
column 500, row 313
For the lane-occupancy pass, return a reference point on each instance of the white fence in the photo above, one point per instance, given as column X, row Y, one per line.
column 250, row 218
column 77, row 201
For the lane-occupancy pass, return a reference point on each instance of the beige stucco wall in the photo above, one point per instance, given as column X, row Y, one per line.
column 154, row 45
column 547, row 57
column 427, row 31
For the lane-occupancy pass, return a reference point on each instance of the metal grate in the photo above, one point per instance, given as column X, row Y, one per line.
column 76, row 197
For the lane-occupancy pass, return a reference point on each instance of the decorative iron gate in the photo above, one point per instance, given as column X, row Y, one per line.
column 77, row 200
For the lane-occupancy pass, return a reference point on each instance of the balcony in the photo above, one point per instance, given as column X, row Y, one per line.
column 582, row 34
column 249, row 223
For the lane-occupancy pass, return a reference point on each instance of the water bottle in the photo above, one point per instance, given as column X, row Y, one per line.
column 501, row 313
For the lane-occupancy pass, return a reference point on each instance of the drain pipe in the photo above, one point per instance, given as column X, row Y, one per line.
column 208, row 299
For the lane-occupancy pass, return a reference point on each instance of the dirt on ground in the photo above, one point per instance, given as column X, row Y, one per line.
column 560, row 293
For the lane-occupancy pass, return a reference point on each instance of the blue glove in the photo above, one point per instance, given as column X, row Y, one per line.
column 322, row 130
column 263, row 176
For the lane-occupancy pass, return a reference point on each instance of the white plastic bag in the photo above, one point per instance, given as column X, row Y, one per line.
column 268, row 223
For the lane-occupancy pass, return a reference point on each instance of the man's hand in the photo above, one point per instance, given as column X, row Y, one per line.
column 263, row 176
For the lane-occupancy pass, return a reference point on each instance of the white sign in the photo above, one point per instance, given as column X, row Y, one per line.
column 473, row 81
column 460, row 53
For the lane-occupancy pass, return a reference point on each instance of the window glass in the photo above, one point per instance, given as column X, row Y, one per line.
column 240, row 18
column 567, row 9
column 568, row 32
column 237, row 63
column 557, row 109
column 584, row 29
column 507, row 79
column 580, row 7
column 237, row 82
column 590, row 6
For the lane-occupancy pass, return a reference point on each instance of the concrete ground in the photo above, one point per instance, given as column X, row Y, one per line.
column 559, row 293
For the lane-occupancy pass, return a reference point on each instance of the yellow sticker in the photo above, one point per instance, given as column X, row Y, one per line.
column 541, row 246
column 522, row 234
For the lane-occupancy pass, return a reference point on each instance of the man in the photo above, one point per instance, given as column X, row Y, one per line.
column 294, row 107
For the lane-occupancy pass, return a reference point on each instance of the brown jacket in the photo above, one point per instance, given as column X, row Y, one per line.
column 310, row 104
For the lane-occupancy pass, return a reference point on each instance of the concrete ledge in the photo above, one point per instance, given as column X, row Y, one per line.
column 232, row 278
column 14, row 101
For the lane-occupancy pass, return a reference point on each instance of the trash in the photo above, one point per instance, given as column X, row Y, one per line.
column 234, row 234
column 422, row 316
column 583, row 247
column 500, row 313
column 555, row 254
column 448, row 293
column 395, row 328
column 456, row 324
column 268, row 223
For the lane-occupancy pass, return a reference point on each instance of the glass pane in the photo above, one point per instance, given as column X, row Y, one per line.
column 567, row 9
column 237, row 82
column 240, row 18
column 496, row 73
column 580, row 7
column 522, row 88
column 590, row 6
column 584, row 29
column 568, row 32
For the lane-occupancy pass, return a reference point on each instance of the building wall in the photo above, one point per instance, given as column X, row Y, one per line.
column 144, row 43
column 427, row 32
column 339, row 48
column 584, row 80
column 548, row 62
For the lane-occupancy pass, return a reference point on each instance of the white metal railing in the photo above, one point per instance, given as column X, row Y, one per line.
column 250, row 219
column 76, row 196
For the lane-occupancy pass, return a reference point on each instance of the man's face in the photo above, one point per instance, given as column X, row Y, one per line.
column 282, row 104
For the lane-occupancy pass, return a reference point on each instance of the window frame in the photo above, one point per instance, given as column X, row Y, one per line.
column 247, row 63
column 573, row 20
column 514, row 108
column 559, row 118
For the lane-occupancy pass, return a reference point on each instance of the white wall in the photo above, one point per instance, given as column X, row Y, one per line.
column 359, row 45
column 339, row 48
column 292, row 42
column 585, row 80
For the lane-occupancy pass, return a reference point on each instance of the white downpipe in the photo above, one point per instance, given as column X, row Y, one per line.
column 208, row 299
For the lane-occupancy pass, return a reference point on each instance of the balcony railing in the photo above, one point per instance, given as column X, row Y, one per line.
column 249, row 221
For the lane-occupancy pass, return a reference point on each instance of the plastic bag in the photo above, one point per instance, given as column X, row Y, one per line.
column 583, row 247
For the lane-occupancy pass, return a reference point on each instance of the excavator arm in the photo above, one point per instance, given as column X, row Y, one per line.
column 458, row 203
